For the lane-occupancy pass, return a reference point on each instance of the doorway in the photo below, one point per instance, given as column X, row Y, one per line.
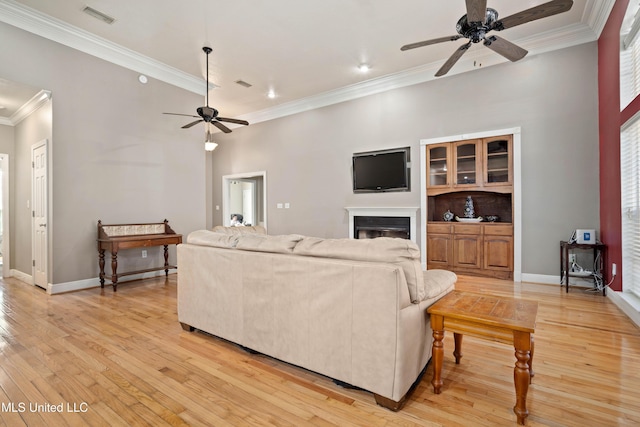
column 40, row 213
column 4, row 216
column 245, row 195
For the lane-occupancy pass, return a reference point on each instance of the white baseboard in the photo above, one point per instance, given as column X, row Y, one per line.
column 555, row 280
column 78, row 285
column 23, row 277
column 628, row 304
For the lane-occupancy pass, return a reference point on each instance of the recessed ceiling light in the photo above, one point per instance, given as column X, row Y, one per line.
column 143, row 79
column 363, row 68
column 271, row 94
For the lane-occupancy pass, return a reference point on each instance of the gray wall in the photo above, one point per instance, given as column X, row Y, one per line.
column 552, row 97
column 114, row 156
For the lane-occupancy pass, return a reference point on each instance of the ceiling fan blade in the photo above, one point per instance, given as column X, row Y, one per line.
column 429, row 42
column 187, row 126
column 178, row 114
column 220, row 126
column 542, row 11
column 453, row 59
column 505, row 48
column 236, row 121
column 476, row 10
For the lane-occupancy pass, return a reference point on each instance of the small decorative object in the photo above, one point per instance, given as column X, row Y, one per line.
column 468, row 208
column 478, row 219
column 448, row 215
column 492, row 218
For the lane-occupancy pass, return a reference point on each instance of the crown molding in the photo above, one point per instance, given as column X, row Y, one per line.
column 594, row 18
column 569, row 36
column 33, row 21
column 5, row 121
column 38, row 100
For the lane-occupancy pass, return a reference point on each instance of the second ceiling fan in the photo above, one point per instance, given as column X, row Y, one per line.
column 479, row 20
column 208, row 114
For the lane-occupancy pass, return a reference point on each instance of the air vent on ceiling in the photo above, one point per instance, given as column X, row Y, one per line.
column 243, row 83
column 98, row 15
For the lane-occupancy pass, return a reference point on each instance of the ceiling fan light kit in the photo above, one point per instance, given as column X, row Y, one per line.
column 480, row 20
column 207, row 114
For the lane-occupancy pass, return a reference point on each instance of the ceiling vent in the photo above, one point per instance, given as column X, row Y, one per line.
column 243, row 83
column 98, row 15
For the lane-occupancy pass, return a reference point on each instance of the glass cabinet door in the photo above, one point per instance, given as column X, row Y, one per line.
column 498, row 161
column 437, row 157
column 466, row 158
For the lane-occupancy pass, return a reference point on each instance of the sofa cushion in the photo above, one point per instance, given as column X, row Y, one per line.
column 437, row 283
column 255, row 229
column 210, row 238
column 403, row 252
column 282, row 244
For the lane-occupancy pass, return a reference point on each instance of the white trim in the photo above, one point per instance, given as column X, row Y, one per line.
column 6, row 212
column 79, row 285
column 548, row 279
column 38, row 100
column 226, row 214
column 47, row 265
column 517, row 188
column 595, row 16
column 628, row 304
column 23, row 277
column 384, row 211
column 28, row 19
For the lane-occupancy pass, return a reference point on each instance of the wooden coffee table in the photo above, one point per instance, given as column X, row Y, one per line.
column 501, row 319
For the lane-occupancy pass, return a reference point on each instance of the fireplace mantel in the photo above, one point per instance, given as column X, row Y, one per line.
column 410, row 212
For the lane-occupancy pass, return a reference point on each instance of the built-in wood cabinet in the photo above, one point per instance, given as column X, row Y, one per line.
column 481, row 169
column 485, row 249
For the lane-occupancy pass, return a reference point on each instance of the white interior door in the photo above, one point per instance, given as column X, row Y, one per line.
column 39, row 213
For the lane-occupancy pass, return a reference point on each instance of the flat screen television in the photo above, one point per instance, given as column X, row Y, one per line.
column 383, row 170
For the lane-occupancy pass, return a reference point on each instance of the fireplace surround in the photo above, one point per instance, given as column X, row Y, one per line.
column 368, row 222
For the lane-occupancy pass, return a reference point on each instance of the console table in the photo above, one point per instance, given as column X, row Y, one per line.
column 501, row 319
column 114, row 237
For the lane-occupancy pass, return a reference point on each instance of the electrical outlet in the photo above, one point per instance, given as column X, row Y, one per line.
column 614, row 269
column 144, row 253
column 572, row 258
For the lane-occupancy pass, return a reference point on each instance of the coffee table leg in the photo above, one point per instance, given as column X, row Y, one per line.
column 437, row 324
column 531, row 373
column 457, row 352
column 521, row 374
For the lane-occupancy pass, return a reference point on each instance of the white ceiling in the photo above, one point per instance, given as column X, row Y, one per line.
column 306, row 51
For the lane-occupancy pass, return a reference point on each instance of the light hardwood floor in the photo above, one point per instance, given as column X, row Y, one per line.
column 122, row 359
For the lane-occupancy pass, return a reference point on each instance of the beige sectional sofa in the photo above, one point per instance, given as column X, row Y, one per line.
column 353, row 310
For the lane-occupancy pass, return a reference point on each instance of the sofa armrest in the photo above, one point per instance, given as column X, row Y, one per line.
column 437, row 284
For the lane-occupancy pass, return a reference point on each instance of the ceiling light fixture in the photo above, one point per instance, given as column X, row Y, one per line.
column 271, row 94
column 143, row 79
column 363, row 68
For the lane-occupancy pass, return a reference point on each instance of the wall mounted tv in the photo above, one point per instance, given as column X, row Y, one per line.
column 383, row 170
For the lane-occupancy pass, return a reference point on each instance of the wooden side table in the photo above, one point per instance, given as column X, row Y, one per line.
column 502, row 319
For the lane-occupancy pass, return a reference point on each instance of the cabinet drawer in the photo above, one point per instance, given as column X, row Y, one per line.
column 499, row 229
column 439, row 228
column 467, row 229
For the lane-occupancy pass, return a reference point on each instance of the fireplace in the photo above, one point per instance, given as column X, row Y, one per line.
column 371, row 222
column 370, row 227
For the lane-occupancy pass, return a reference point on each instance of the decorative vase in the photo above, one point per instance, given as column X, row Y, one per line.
column 468, row 208
column 448, row 215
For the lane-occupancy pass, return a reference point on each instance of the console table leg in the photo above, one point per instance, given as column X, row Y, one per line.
column 114, row 269
column 437, row 323
column 521, row 375
column 101, row 264
column 457, row 352
column 166, row 260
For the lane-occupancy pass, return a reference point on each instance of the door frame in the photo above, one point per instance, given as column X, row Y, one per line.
column 45, row 262
column 226, row 180
column 6, row 210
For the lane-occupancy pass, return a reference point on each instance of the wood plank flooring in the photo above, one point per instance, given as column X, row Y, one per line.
column 95, row 358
